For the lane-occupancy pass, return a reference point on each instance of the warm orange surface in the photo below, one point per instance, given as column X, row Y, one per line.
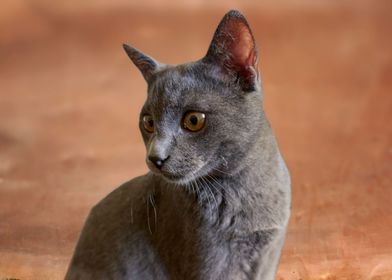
column 69, row 101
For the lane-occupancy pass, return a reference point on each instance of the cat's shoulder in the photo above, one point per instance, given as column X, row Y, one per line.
column 125, row 197
column 114, row 225
column 121, row 211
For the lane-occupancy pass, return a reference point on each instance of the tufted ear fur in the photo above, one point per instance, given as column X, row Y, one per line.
column 147, row 65
column 233, row 47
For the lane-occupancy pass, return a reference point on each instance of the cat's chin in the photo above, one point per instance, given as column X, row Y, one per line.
column 175, row 178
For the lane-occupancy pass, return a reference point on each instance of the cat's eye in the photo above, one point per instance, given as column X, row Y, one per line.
column 148, row 123
column 194, row 121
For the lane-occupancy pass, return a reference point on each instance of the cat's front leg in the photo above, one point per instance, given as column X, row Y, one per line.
column 256, row 256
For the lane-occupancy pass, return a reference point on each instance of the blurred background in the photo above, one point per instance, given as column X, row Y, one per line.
column 70, row 99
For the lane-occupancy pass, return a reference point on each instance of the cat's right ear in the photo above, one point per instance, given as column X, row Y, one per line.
column 233, row 47
column 147, row 65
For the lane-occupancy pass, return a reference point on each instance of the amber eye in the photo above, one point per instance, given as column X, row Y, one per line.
column 148, row 123
column 194, row 121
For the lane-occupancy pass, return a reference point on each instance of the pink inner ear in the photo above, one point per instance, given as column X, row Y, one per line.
column 242, row 48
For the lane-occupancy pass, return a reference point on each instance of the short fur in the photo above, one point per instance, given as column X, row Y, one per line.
column 219, row 206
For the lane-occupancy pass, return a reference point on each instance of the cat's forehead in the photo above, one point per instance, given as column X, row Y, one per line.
column 184, row 84
column 174, row 80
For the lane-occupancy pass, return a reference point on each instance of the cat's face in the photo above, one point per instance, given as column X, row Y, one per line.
column 196, row 123
column 201, row 118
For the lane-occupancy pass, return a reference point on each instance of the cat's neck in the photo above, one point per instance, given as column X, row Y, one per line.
column 219, row 195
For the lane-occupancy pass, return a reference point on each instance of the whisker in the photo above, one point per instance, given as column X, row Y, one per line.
column 219, row 189
column 209, row 185
column 221, row 171
column 224, row 192
column 215, row 187
column 210, row 191
column 197, row 191
column 193, row 189
column 205, row 193
column 155, row 211
column 148, row 216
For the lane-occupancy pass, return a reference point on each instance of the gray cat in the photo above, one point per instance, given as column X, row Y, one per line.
column 217, row 200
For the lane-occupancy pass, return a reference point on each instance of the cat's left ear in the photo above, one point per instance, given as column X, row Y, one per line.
column 234, row 49
column 147, row 65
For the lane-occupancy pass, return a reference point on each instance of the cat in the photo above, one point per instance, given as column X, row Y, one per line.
column 216, row 202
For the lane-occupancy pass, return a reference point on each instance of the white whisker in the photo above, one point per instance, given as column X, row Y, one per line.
column 206, row 188
column 224, row 192
column 221, row 171
column 197, row 191
column 148, row 215
column 210, row 191
column 155, row 211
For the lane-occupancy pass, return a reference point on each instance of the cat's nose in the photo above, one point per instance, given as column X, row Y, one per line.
column 157, row 161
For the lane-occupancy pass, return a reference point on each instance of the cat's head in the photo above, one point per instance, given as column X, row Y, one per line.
column 202, row 117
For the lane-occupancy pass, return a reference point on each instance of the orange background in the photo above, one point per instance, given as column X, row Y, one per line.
column 70, row 98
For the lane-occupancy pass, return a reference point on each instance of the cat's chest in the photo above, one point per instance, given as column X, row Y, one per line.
column 193, row 245
column 200, row 253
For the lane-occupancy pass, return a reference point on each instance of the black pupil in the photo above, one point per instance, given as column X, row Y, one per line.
column 193, row 119
column 150, row 123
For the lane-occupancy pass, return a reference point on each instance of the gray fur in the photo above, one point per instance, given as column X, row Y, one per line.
column 219, row 207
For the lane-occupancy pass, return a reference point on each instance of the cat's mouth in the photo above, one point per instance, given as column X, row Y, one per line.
column 167, row 175
column 176, row 178
column 179, row 178
column 173, row 177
